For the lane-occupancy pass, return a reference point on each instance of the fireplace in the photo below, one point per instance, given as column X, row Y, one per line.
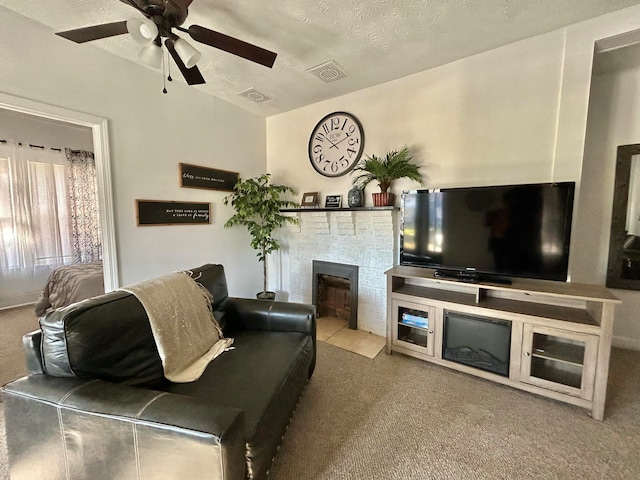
column 363, row 237
column 335, row 290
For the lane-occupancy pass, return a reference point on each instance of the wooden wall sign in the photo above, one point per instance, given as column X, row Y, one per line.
column 193, row 176
column 159, row 212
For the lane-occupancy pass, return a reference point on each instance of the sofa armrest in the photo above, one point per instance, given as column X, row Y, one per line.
column 32, row 353
column 254, row 314
column 74, row 428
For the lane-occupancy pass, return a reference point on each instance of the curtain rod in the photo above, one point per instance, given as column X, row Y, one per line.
column 35, row 146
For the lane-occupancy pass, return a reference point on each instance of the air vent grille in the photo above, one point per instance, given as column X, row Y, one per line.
column 254, row 95
column 328, row 72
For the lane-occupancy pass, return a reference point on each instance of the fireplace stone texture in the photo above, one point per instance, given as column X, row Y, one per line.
column 367, row 239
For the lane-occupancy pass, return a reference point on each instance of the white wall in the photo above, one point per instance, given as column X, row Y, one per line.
column 150, row 133
column 25, row 128
column 614, row 120
column 476, row 121
column 515, row 114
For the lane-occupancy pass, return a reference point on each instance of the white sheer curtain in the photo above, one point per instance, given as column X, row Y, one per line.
column 34, row 219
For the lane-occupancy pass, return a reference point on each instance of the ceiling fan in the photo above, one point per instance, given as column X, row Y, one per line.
column 161, row 17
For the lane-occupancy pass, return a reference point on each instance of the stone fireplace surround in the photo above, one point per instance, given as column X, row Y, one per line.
column 365, row 237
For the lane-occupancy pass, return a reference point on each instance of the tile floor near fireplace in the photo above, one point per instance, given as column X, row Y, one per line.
column 336, row 331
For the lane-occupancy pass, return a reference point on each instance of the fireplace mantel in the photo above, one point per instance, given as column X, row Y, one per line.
column 348, row 209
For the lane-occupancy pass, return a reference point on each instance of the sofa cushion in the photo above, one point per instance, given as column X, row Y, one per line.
column 109, row 337
column 106, row 337
column 263, row 376
column 212, row 278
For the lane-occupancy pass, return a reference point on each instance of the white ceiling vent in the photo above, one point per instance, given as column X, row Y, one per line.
column 328, row 72
column 254, row 95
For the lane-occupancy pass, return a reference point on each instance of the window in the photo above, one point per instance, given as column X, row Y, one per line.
column 34, row 215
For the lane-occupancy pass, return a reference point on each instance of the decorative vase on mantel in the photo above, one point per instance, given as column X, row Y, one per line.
column 355, row 197
column 383, row 199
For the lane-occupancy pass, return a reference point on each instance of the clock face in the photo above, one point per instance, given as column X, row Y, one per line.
column 336, row 144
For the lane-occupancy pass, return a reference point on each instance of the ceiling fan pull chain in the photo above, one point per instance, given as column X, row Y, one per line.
column 164, row 81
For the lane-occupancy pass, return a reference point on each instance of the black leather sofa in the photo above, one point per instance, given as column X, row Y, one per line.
column 97, row 406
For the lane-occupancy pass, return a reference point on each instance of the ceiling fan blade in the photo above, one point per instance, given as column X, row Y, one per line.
column 191, row 75
column 232, row 45
column 96, row 32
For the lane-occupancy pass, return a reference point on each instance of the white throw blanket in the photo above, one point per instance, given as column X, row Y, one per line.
column 186, row 334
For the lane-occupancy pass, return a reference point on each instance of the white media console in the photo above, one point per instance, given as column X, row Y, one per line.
column 558, row 334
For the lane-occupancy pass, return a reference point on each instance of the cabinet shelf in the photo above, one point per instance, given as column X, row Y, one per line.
column 552, row 372
column 435, row 294
column 560, row 352
column 408, row 325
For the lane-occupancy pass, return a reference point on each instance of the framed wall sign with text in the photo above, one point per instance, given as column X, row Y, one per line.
column 160, row 212
column 194, row 176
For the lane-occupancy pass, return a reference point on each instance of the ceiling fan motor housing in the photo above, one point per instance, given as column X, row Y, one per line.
column 166, row 14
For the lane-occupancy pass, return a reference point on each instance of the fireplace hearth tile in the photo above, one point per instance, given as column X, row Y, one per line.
column 357, row 341
column 328, row 326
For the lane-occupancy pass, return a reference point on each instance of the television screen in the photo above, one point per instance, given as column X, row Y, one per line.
column 497, row 231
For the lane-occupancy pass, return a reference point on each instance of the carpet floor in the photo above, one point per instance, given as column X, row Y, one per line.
column 395, row 417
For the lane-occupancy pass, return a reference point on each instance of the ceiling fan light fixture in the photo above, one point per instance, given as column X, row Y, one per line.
column 142, row 30
column 187, row 53
column 151, row 55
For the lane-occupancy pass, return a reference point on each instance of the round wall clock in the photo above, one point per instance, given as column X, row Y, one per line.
column 336, row 144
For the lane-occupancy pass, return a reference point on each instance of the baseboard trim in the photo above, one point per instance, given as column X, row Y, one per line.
column 11, row 307
column 627, row 343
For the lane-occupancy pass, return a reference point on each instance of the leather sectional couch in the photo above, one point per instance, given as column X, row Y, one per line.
column 96, row 404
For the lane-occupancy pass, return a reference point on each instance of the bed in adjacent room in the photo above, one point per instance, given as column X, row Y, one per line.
column 69, row 284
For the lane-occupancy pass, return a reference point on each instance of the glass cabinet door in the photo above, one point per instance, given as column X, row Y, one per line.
column 559, row 360
column 413, row 326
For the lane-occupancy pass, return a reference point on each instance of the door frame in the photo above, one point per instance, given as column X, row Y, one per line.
column 100, row 135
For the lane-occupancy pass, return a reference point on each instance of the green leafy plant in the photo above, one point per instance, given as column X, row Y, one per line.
column 394, row 165
column 257, row 204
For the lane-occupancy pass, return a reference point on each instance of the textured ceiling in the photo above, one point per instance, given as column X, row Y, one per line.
column 373, row 41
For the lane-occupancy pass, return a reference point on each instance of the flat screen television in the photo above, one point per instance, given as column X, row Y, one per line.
column 489, row 233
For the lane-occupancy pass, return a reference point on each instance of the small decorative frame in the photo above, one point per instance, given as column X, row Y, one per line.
column 309, row 199
column 333, row 201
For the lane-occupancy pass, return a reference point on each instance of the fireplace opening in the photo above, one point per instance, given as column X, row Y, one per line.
column 335, row 291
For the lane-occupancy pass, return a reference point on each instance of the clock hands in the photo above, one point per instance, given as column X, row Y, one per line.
column 339, row 141
column 332, row 144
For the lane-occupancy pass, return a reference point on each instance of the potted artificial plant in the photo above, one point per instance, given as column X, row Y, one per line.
column 394, row 165
column 257, row 204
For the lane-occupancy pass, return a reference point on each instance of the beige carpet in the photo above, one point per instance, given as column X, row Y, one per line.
column 14, row 323
column 395, row 417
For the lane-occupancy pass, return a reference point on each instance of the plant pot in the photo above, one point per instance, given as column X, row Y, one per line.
column 386, row 199
column 266, row 295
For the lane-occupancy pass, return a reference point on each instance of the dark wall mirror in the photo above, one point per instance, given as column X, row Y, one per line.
column 623, row 270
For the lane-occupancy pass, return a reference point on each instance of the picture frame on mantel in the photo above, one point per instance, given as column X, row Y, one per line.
column 333, row 201
column 309, row 199
column 196, row 176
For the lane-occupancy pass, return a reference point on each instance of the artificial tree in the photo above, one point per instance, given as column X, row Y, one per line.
column 257, row 204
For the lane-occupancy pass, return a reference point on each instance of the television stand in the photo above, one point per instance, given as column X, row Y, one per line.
column 560, row 333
